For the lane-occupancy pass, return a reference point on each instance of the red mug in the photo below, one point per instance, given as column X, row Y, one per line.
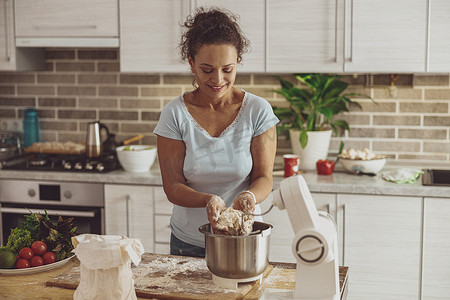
column 291, row 164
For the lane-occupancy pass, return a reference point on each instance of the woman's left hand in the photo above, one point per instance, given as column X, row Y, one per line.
column 244, row 202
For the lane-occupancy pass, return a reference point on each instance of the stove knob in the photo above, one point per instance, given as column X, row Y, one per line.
column 78, row 166
column 68, row 194
column 100, row 167
column 31, row 192
column 67, row 166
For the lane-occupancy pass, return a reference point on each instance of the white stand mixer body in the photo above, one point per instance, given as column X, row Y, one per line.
column 315, row 243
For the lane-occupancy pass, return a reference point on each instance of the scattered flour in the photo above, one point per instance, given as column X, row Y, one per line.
column 175, row 275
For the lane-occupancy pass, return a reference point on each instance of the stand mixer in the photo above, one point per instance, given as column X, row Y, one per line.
column 314, row 245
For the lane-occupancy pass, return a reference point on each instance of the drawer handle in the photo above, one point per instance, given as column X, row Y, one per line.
column 65, row 27
column 127, row 201
column 65, row 213
column 343, row 233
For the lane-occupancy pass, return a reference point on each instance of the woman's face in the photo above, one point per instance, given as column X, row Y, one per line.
column 214, row 68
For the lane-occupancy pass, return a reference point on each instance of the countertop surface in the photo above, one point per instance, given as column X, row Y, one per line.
column 42, row 285
column 338, row 182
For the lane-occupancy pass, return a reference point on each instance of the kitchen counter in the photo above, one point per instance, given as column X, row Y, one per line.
column 33, row 286
column 338, row 182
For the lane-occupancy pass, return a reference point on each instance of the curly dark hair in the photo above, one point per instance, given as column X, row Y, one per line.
column 212, row 26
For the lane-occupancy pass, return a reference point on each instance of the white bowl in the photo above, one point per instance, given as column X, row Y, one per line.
column 365, row 166
column 139, row 159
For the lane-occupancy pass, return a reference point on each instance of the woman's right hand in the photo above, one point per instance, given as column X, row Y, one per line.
column 214, row 207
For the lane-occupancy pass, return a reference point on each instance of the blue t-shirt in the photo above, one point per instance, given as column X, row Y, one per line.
column 216, row 165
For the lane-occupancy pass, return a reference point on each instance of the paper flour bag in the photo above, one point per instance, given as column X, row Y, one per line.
column 105, row 266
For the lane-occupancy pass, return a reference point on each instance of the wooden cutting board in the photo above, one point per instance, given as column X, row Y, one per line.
column 168, row 277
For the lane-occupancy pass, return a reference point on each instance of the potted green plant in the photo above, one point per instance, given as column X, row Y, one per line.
column 310, row 116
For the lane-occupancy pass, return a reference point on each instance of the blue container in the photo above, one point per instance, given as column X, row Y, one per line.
column 31, row 129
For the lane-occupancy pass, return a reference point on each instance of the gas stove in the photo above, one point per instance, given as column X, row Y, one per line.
column 62, row 163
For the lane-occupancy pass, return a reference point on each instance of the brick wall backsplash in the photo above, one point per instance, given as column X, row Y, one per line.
column 83, row 85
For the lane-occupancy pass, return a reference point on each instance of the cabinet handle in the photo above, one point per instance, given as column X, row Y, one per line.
column 343, row 234
column 326, row 207
column 350, row 59
column 335, row 31
column 5, row 7
column 427, row 49
column 351, row 31
column 127, row 201
column 65, row 27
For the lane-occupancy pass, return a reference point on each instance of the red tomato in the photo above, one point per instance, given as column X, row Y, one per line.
column 49, row 257
column 36, row 261
column 325, row 167
column 22, row 263
column 39, row 248
column 26, row 253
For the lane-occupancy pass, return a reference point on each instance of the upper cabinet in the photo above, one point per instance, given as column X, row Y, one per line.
column 346, row 36
column 286, row 36
column 150, row 44
column 304, row 36
column 438, row 58
column 12, row 58
column 150, row 34
column 252, row 22
column 66, row 23
column 385, row 36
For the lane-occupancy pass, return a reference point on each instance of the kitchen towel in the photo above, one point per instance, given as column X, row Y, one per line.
column 105, row 266
column 404, row 175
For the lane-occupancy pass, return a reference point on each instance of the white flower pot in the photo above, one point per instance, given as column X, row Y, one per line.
column 317, row 147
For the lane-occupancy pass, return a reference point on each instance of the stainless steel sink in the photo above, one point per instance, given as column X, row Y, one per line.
column 436, row 177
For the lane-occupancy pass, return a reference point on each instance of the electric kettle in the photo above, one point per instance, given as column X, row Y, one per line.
column 94, row 144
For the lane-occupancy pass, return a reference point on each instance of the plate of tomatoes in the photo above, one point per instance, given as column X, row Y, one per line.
column 35, row 259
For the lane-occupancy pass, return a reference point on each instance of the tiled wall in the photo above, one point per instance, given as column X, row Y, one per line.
column 83, row 85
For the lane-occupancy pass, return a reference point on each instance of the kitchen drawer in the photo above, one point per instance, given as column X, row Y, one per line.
column 65, row 19
column 162, row 204
column 162, row 228
column 162, row 248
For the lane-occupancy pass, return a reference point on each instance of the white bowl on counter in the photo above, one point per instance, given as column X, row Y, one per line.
column 136, row 158
column 355, row 166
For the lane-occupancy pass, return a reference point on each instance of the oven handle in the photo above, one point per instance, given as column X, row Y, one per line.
column 66, row 213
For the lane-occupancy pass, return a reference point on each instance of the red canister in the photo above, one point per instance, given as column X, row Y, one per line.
column 291, row 164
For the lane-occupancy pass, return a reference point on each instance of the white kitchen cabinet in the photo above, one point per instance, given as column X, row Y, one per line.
column 282, row 234
column 150, row 34
column 385, row 36
column 67, row 23
column 349, row 36
column 129, row 211
column 304, row 36
column 150, row 44
column 439, row 41
column 12, row 58
column 251, row 15
column 381, row 245
column 436, row 249
column 163, row 212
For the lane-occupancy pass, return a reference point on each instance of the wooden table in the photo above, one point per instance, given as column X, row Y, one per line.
column 33, row 286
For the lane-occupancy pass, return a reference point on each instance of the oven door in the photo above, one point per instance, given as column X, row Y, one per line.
column 87, row 219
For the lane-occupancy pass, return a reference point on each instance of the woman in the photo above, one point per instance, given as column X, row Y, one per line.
column 216, row 144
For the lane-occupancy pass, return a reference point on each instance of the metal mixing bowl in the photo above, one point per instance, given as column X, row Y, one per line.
column 237, row 257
